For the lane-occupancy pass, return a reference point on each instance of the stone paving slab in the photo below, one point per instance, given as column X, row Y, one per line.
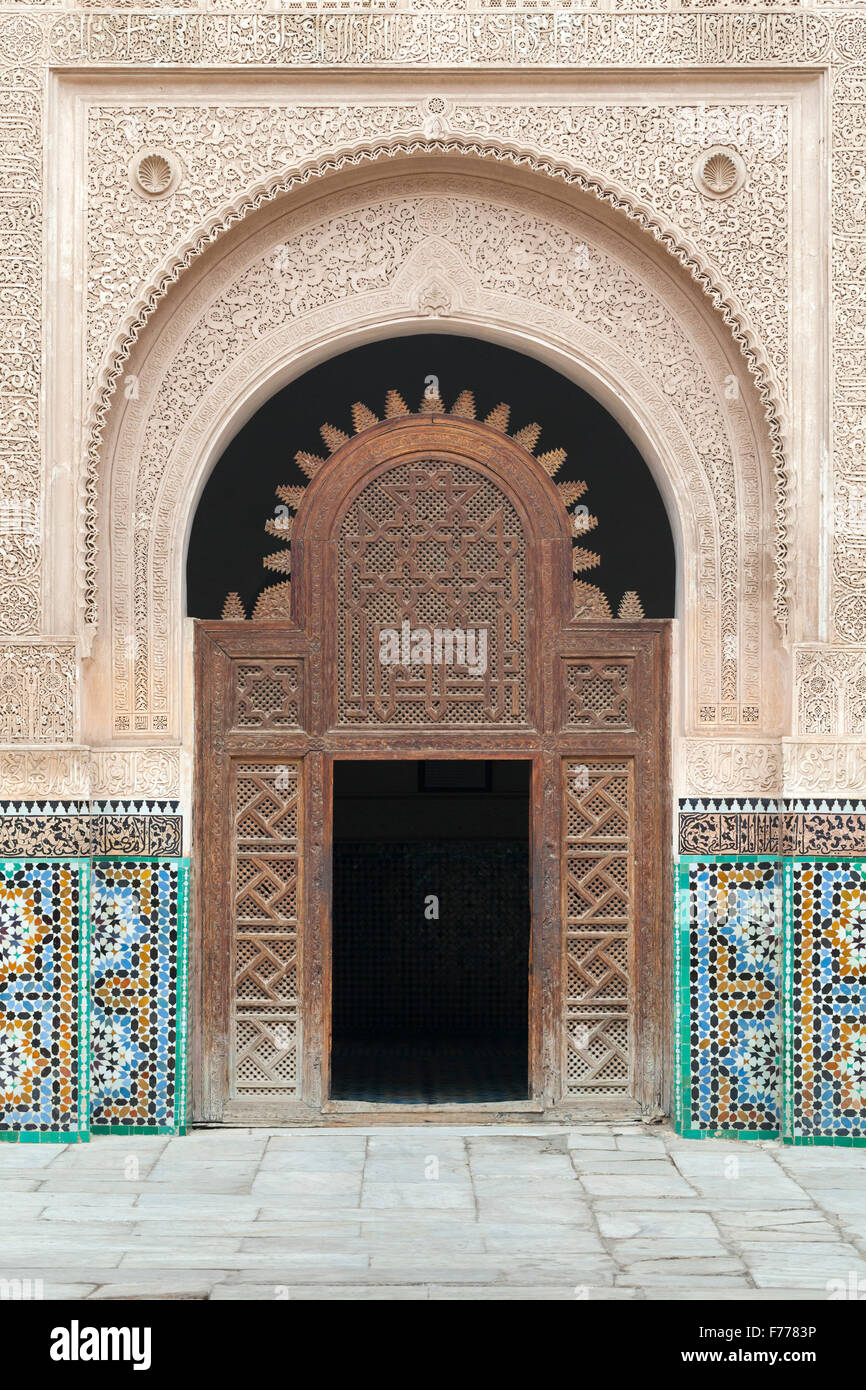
column 593, row 1211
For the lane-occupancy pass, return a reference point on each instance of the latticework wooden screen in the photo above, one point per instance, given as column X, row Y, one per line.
column 436, row 546
column 268, row 694
column 599, row 693
column 267, row 836
column 597, row 911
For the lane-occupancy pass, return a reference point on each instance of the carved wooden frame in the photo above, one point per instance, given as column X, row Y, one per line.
column 545, row 740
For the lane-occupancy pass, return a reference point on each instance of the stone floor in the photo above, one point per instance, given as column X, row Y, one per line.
column 601, row 1211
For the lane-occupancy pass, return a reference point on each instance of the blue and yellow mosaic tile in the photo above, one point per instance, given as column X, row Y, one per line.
column 728, row 997
column 43, row 1000
column 138, row 984
column 825, row 1001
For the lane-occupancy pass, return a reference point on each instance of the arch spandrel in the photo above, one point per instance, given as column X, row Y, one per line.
column 589, row 184
column 627, row 331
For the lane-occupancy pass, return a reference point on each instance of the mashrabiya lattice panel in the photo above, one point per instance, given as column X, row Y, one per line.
column 43, row 1000
column 138, row 995
column 732, row 1043
column 438, row 547
column 597, row 916
column 598, row 693
column 267, row 889
column 268, row 694
column 825, row 1001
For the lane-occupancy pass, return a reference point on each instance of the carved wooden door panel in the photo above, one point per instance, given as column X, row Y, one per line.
column 438, row 546
column 268, row 843
column 421, row 526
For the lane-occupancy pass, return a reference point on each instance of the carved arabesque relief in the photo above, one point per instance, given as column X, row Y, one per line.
column 648, row 149
column 848, row 528
column 512, row 258
column 503, row 149
column 830, row 691
column 671, row 35
column 37, row 693
column 20, row 351
column 83, row 773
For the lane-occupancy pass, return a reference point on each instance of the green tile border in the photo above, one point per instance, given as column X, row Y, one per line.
column 787, row 1008
column 683, row 997
column 682, row 1002
column 81, row 1134
column 786, row 1132
column 679, row 1008
column 180, row 1057
column 789, row 1135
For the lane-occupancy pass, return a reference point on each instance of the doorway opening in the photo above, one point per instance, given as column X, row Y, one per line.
column 431, row 931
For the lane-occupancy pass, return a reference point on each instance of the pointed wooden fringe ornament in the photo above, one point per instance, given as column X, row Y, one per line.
column 233, row 609
column 308, row 463
column 464, row 406
column 431, row 404
column 281, row 561
column 630, row 608
column 498, row 417
column 362, row 418
column 590, row 603
column 292, row 496
column 280, row 528
column 528, row 436
column 552, row 461
column 395, row 405
column 571, row 492
column 583, row 559
column 274, row 604
column 334, row 438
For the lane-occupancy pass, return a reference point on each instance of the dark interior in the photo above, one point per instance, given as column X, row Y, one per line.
column 228, row 539
column 430, row 1009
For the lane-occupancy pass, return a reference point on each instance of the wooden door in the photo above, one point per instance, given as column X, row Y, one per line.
column 446, row 524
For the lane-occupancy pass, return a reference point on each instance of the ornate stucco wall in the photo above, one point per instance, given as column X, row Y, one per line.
column 159, row 162
column 614, row 104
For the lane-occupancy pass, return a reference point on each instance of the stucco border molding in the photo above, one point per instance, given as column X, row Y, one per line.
column 686, row 253
column 83, row 773
column 780, row 768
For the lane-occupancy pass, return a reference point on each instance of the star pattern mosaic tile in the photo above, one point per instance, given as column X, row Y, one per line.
column 729, row 1009
column 825, row 1001
column 138, row 986
column 43, row 1000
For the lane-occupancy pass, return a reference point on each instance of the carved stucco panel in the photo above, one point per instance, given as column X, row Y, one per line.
column 822, row 768
column 848, row 528
column 731, row 768
column 445, row 37
column 21, row 101
column 84, row 773
column 788, row 767
column 360, row 257
column 38, row 682
column 224, row 150
column 830, row 690
column 434, row 139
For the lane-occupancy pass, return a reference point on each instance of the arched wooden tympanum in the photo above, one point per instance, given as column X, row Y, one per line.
column 423, row 524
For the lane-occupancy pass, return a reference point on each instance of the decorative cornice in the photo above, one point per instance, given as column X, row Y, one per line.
column 431, row 35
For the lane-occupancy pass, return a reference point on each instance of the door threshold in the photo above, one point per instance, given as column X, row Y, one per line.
column 448, row 1107
column 346, row 1113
